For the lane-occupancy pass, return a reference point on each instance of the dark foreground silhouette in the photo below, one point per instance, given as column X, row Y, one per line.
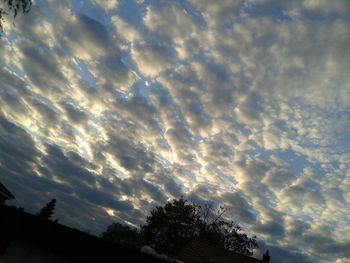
column 29, row 238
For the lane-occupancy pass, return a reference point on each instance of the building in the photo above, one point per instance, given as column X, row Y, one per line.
column 28, row 238
column 199, row 251
column 5, row 194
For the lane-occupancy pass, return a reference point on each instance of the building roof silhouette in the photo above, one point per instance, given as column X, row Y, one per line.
column 5, row 192
column 200, row 251
column 60, row 240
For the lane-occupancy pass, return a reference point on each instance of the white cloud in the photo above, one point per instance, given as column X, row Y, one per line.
column 107, row 5
column 343, row 260
column 127, row 31
column 168, row 20
column 152, row 59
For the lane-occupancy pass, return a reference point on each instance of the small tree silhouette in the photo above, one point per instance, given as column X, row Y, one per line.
column 47, row 211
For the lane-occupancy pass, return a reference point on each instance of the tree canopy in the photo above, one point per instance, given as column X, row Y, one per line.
column 14, row 7
column 170, row 227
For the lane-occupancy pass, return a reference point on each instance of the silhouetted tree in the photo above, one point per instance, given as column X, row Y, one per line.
column 123, row 235
column 47, row 211
column 226, row 234
column 170, row 228
column 14, row 7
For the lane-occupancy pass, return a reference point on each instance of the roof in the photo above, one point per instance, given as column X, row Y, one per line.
column 5, row 192
column 62, row 240
column 202, row 251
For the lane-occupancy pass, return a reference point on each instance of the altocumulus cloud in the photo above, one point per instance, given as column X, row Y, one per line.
column 113, row 107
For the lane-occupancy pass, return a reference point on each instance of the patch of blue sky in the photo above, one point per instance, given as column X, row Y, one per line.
column 166, row 165
column 47, row 102
column 298, row 163
column 46, row 9
column 237, row 127
column 190, row 11
column 141, row 90
column 90, row 10
column 185, row 172
column 132, row 12
column 281, row 124
column 229, row 179
column 87, row 78
column 13, row 69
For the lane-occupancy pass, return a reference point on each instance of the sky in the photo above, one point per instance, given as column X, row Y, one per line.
column 114, row 107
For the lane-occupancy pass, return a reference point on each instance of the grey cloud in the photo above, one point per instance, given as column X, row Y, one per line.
column 317, row 9
column 323, row 246
column 215, row 80
column 48, row 114
column 152, row 58
column 168, row 182
column 10, row 81
column 216, row 10
column 86, row 37
column 217, row 150
column 201, row 194
column 12, row 102
column 14, row 93
column 303, row 197
column 139, row 109
column 31, row 26
column 255, row 168
column 18, row 150
column 170, row 22
column 275, row 230
column 153, row 190
column 99, row 198
column 238, row 208
column 179, row 136
column 41, row 67
column 111, row 71
column 278, row 178
column 305, row 193
column 262, row 198
column 188, row 97
column 80, row 161
column 249, row 109
column 60, row 165
column 74, row 113
column 179, row 139
column 295, row 228
column 131, row 155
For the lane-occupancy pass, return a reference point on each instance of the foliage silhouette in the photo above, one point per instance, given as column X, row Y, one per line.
column 170, row 228
column 123, row 235
column 13, row 6
column 47, row 211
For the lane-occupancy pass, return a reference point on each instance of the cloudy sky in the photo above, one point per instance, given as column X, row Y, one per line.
column 114, row 107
